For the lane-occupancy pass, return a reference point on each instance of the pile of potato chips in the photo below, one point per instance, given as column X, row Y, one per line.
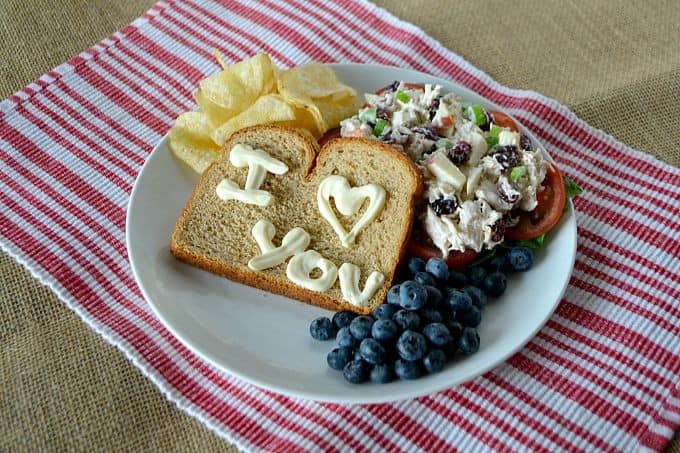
column 255, row 91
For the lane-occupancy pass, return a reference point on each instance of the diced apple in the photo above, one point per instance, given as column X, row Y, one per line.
column 473, row 180
column 479, row 147
column 444, row 170
column 508, row 138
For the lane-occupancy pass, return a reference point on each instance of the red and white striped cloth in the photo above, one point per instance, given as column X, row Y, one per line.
column 603, row 373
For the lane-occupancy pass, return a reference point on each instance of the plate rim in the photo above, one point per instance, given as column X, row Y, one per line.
column 411, row 391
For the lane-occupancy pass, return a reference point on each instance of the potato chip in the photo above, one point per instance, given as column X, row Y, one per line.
column 195, row 126
column 317, row 80
column 239, row 85
column 190, row 140
column 270, row 108
column 304, row 120
column 303, row 86
column 257, row 73
column 197, row 157
column 218, row 56
column 333, row 111
column 254, row 91
column 217, row 114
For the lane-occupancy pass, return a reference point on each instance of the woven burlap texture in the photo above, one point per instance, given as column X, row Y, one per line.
column 615, row 64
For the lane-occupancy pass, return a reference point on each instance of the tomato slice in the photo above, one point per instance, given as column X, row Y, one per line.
column 421, row 246
column 548, row 210
column 503, row 120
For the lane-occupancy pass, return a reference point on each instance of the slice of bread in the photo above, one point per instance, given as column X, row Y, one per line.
column 215, row 235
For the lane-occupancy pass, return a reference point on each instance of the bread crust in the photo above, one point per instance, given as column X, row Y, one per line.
column 314, row 157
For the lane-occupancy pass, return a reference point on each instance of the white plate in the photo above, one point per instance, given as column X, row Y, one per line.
column 263, row 338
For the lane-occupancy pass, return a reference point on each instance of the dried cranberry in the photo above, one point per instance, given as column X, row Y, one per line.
column 507, row 156
column 433, row 108
column 460, row 153
column 426, row 131
column 498, row 231
column 525, row 142
column 443, row 206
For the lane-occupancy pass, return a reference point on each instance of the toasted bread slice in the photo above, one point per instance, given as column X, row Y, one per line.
column 215, row 235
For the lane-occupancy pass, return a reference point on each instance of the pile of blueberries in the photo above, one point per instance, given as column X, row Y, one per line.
column 427, row 319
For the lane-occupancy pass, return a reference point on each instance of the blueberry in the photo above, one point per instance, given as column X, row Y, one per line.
column 346, row 339
column 471, row 317
column 411, row 345
column 406, row 320
column 322, row 329
column 385, row 311
column 476, row 295
column 424, row 278
column 446, row 313
column 498, row 263
column 406, row 370
column 455, row 328
column 494, row 284
column 437, row 334
column 451, row 349
column 392, row 353
column 437, row 268
column 356, row 371
column 430, row 315
column 434, row 361
column 458, row 301
column 521, row 258
column 372, row 351
column 457, row 279
column 469, row 341
column 339, row 357
column 476, row 275
column 412, row 295
column 360, row 327
column 434, row 296
column 415, row 265
column 343, row 318
column 384, row 330
column 382, row 374
column 393, row 295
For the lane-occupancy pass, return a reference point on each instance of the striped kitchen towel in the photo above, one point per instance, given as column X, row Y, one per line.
column 602, row 374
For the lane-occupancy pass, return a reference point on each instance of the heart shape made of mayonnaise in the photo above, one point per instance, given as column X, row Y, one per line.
column 348, row 201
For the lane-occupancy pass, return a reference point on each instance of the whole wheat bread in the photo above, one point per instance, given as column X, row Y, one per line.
column 215, row 235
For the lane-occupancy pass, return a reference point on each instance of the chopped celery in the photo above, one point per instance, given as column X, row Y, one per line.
column 517, row 173
column 492, row 135
column 368, row 115
column 495, row 130
column 476, row 114
column 379, row 127
column 402, row 96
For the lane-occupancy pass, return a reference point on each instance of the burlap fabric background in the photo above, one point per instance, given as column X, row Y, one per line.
column 615, row 64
